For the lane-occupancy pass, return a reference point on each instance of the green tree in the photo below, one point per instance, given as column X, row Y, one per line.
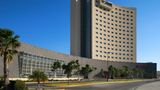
column 68, row 68
column 85, row 71
column 125, row 72
column 55, row 66
column 118, row 72
column 9, row 42
column 141, row 72
column 130, row 74
column 38, row 76
column 77, row 65
column 77, row 68
column 101, row 73
column 112, row 71
column 135, row 73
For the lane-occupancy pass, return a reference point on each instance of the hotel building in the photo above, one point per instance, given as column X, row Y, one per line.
column 101, row 33
column 104, row 31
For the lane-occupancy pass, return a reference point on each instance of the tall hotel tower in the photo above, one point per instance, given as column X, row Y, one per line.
column 103, row 31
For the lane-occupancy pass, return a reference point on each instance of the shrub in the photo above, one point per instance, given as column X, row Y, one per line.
column 20, row 85
column 17, row 85
column 1, row 84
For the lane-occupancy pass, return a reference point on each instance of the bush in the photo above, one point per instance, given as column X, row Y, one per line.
column 17, row 85
column 11, row 86
column 20, row 85
column 1, row 84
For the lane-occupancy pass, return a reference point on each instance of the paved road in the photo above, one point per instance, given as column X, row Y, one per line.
column 120, row 86
column 116, row 86
column 150, row 86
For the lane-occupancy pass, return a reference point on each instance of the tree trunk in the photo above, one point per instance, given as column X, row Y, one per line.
column 5, row 70
column 38, row 81
column 38, row 84
column 78, row 75
column 137, row 75
column 142, row 76
column 55, row 74
column 68, row 80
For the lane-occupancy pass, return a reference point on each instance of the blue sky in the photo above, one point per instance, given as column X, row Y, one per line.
column 46, row 23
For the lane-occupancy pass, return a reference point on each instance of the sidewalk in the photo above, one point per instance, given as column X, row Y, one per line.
column 150, row 86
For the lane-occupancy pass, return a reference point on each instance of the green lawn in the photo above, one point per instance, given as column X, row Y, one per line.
column 81, row 83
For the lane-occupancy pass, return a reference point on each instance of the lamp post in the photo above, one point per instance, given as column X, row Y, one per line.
column 107, row 67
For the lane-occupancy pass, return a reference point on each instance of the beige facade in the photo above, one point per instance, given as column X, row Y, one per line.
column 113, row 32
column 32, row 57
column 108, row 31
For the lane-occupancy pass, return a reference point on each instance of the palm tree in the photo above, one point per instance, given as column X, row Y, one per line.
column 9, row 42
column 55, row 66
column 38, row 76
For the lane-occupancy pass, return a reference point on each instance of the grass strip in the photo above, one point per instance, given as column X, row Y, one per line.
column 83, row 83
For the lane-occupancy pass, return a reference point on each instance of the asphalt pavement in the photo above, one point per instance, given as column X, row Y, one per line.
column 116, row 86
column 150, row 86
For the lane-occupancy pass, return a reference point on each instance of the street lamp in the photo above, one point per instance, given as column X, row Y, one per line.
column 107, row 67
